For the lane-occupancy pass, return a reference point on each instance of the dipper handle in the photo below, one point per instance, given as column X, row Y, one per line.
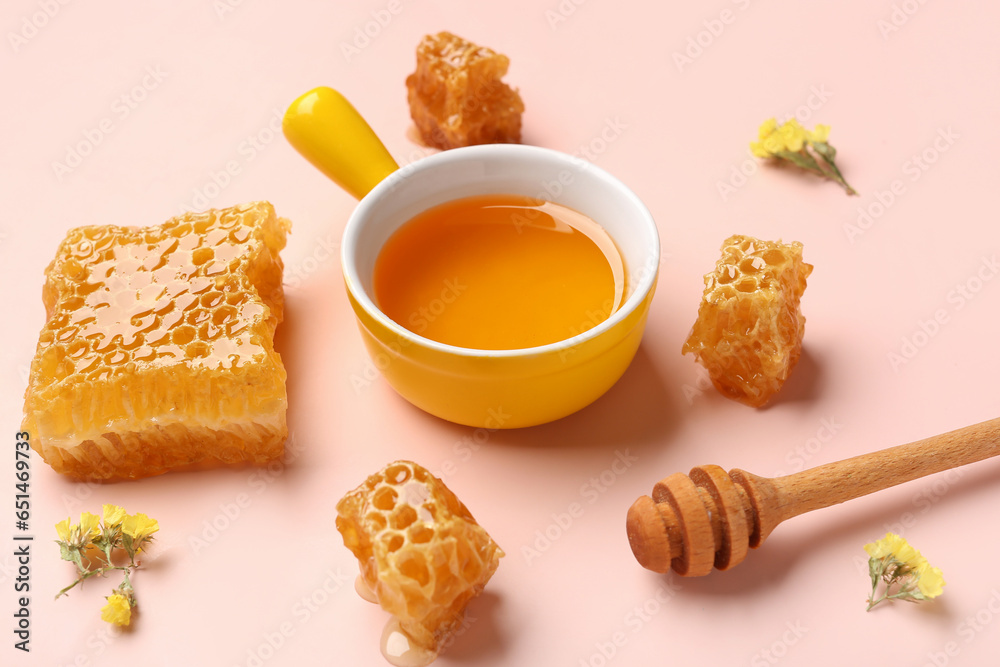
column 710, row 518
column 329, row 132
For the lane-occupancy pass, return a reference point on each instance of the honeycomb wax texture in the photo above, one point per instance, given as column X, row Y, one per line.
column 456, row 96
column 419, row 549
column 749, row 330
column 158, row 348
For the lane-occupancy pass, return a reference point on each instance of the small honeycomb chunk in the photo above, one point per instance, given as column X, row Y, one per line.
column 421, row 553
column 749, row 328
column 456, row 96
column 157, row 352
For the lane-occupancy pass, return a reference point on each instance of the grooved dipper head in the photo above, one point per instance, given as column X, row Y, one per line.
column 648, row 536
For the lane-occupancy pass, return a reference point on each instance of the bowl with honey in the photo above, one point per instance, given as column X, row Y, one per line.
column 495, row 285
column 501, row 286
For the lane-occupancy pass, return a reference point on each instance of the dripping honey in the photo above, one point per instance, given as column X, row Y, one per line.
column 499, row 272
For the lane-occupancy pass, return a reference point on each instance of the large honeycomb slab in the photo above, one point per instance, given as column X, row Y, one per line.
column 456, row 96
column 157, row 352
column 749, row 330
column 421, row 553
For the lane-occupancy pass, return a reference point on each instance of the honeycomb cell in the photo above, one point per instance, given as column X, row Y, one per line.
column 456, row 96
column 749, row 330
column 421, row 553
column 131, row 377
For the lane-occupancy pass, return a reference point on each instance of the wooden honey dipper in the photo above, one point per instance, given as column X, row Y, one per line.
column 708, row 518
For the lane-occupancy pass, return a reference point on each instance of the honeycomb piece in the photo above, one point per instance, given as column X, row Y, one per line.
column 749, row 328
column 157, row 353
column 420, row 551
column 456, row 96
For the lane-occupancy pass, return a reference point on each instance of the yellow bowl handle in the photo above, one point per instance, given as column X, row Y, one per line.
column 326, row 130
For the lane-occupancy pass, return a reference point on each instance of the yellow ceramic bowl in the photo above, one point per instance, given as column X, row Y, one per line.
column 502, row 388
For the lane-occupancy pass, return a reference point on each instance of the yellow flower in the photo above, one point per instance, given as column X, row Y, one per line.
column 819, row 135
column 113, row 515
column 89, row 525
column 897, row 564
column 139, row 526
column 806, row 149
column 774, row 144
column 767, row 128
column 930, row 580
column 769, row 142
column 63, row 530
column 117, row 610
column 792, row 135
column 895, row 546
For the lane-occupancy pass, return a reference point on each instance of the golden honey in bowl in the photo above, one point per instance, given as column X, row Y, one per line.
column 499, row 272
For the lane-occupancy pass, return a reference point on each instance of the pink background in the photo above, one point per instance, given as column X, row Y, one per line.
column 204, row 78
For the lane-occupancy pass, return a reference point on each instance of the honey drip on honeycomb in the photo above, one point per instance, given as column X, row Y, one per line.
column 157, row 351
column 749, row 330
column 456, row 96
column 421, row 553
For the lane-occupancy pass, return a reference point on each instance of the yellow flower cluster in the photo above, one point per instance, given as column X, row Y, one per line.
column 893, row 561
column 118, row 610
column 115, row 529
column 808, row 149
column 81, row 533
column 789, row 137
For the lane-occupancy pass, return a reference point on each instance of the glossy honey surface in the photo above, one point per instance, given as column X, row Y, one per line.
column 499, row 272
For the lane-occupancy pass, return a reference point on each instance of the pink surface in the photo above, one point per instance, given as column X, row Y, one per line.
column 171, row 100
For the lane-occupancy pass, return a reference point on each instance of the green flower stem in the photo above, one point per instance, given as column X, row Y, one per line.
column 905, row 594
column 891, row 571
column 805, row 160
column 837, row 176
column 127, row 583
column 92, row 573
